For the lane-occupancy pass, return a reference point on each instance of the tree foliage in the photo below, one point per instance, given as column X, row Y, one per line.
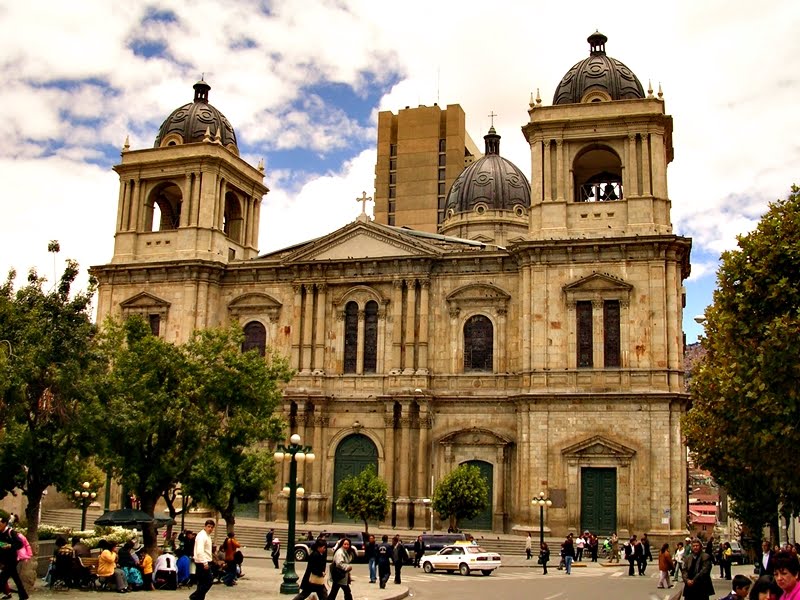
column 461, row 494
column 744, row 424
column 49, row 368
column 364, row 496
column 172, row 407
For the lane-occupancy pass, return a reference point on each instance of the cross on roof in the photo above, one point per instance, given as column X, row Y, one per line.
column 492, row 115
column 364, row 199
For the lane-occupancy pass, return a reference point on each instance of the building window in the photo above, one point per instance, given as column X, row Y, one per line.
column 392, row 164
column 370, row 337
column 350, row 337
column 442, row 160
column 391, row 206
column 392, row 192
column 442, row 203
column 611, row 343
column 442, row 145
column 392, row 149
column 441, row 174
column 255, row 336
column 584, row 315
column 441, row 188
column 391, row 219
column 478, row 344
column 392, row 178
column 155, row 324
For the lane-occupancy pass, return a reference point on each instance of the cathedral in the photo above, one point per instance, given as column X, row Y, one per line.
column 530, row 328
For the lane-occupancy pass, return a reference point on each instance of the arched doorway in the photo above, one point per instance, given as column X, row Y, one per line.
column 482, row 520
column 354, row 454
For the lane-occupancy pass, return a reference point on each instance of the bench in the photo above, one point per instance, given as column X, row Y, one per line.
column 89, row 565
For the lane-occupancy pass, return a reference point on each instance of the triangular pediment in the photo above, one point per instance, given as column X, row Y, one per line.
column 362, row 240
column 598, row 446
column 475, row 436
column 598, row 282
column 254, row 303
column 480, row 292
column 144, row 300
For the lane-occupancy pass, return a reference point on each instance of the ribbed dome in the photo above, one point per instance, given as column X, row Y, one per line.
column 191, row 121
column 492, row 181
column 599, row 73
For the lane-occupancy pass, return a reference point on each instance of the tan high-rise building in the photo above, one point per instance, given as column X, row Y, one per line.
column 534, row 333
column 421, row 151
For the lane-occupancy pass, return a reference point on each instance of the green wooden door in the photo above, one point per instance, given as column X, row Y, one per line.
column 599, row 500
column 484, row 519
column 354, row 454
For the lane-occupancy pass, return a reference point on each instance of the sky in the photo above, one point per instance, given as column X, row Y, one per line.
column 302, row 82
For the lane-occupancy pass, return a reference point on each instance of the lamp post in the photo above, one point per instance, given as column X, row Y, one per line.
column 542, row 500
column 294, row 453
column 84, row 498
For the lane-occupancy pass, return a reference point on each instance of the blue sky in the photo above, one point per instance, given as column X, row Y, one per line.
column 302, row 83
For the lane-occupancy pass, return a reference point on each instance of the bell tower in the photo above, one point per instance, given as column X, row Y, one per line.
column 190, row 197
column 599, row 154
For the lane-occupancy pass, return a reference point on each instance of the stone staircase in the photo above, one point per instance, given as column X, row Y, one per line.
column 251, row 532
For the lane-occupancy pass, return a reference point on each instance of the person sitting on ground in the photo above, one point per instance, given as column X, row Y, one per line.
column 107, row 569
column 128, row 561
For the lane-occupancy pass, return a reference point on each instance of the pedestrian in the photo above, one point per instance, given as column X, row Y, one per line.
column 740, row 588
column 630, row 555
column 528, row 546
column 568, row 550
column 696, row 573
column 677, row 560
column 645, row 554
column 665, row 566
column 340, row 571
column 544, row 556
column 787, row 570
column 269, row 538
column 203, row 561
column 384, row 561
column 614, row 541
column 727, row 559
column 10, row 544
column 593, row 544
column 230, row 546
column 276, row 552
column 579, row 544
column 313, row 581
column 399, row 557
column 419, row 550
column 765, row 566
column 371, row 554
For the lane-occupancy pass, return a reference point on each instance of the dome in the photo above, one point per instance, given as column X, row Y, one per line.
column 490, row 183
column 189, row 122
column 597, row 78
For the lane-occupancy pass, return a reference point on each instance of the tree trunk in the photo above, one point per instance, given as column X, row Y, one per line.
column 149, row 531
column 27, row 569
column 230, row 519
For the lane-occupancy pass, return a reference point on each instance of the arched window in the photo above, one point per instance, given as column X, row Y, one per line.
column 598, row 176
column 232, row 217
column 163, row 208
column 350, row 337
column 255, row 336
column 478, row 344
column 370, row 337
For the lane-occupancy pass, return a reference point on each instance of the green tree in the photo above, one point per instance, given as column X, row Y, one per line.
column 49, row 367
column 364, row 496
column 172, row 407
column 461, row 494
column 743, row 423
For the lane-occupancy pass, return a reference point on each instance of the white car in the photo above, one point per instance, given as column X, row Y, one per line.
column 463, row 558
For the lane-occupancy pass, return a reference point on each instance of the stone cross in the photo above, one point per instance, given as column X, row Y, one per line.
column 364, row 199
column 492, row 115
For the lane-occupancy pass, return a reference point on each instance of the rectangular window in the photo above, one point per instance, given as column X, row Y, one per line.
column 584, row 314
column 155, row 324
column 392, row 178
column 442, row 145
column 391, row 219
column 391, row 206
column 441, row 188
column 442, row 202
column 611, row 343
column 392, row 164
column 441, row 174
column 392, row 192
column 392, row 149
column 442, row 160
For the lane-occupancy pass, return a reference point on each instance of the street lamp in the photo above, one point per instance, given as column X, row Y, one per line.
column 542, row 500
column 293, row 453
column 84, row 498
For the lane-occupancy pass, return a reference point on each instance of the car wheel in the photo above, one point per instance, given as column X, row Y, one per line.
column 300, row 554
column 427, row 567
column 463, row 568
column 486, row 572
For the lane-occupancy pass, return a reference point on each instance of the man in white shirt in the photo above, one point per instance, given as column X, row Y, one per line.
column 203, row 557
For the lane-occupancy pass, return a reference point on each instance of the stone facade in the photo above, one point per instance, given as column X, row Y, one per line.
column 553, row 360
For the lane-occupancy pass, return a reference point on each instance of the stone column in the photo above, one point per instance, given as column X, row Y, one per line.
column 422, row 363
column 630, row 181
column 389, row 461
column 560, row 183
column 319, row 338
column 194, row 217
column 548, row 176
column 647, row 189
column 499, row 501
column 297, row 315
column 186, row 200
column 411, row 315
column 123, row 186
column 455, row 332
column 598, row 348
column 525, row 319
column 135, row 209
column 219, row 206
column 404, row 458
column 397, row 325
column 308, row 330
column 501, row 360
column 659, row 165
column 423, row 463
column 537, row 172
column 360, row 343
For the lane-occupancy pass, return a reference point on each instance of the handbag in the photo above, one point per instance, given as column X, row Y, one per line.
column 316, row 579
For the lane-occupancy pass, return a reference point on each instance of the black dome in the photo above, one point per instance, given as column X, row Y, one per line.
column 598, row 72
column 491, row 180
column 191, row 121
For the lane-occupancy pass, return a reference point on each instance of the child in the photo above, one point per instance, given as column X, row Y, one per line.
column 741, row 587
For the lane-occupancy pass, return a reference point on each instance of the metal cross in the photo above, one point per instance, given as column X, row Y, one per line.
column 364, row 199
column 493, row 115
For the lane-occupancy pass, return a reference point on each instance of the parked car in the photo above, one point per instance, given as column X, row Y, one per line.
column 739, row 556
column 463, row 558
column 305, row 547
column 433, row 542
